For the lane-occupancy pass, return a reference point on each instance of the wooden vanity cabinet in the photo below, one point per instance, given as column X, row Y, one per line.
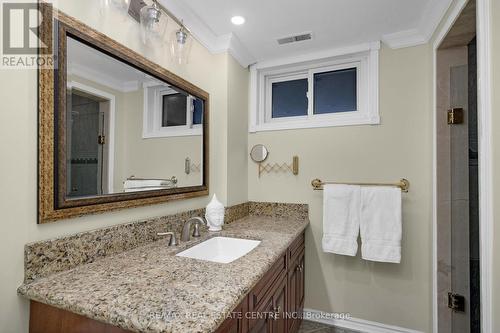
column 48, row 319
column 272, row 306
column 276, row 302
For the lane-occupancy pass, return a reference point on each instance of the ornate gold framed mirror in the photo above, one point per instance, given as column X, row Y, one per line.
column 115, row 129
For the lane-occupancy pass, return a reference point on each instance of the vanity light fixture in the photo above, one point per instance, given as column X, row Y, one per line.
column 153, row 23
column 153, row 18
column 237, row 20
column 121, row 5
column 180, row 45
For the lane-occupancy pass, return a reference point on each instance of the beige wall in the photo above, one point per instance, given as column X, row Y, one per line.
column 400, row 147
column 238, row 79
column 18, row 147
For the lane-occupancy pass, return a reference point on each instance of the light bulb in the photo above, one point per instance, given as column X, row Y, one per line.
column 180, row 46
column 153, row 23
column 237, row 20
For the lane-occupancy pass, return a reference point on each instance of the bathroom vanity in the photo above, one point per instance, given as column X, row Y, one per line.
column 276, row 302
column 149, row 288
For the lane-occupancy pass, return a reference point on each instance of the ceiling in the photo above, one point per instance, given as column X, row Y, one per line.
column 334, row 23
column 91, row 64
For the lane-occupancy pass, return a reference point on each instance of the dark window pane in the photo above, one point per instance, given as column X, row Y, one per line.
column 198, row 111
column 174, row 110
column 289, row 98
column 335, row 91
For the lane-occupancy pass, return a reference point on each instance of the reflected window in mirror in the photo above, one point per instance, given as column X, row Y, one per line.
column 170, row 112
column 174, row 110
column 179, row 109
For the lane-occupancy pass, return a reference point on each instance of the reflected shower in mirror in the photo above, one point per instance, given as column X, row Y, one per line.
column 125, row 130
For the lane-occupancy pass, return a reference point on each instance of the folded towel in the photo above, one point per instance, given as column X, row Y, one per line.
column 381, row 224
column 341, row 212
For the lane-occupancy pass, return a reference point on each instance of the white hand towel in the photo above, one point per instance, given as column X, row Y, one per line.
column 341, row 212
column 141, row 183
column 381, row 224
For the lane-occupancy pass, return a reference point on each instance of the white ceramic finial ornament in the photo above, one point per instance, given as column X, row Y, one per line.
column 214, row 214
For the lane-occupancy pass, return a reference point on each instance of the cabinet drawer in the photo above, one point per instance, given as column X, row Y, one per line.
column 296, row 249
column 267, row 284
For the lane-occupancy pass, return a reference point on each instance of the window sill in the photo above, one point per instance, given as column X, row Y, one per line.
column 173, row 133
column 316, row 123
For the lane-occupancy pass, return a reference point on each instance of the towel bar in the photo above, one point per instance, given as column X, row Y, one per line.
column 403, row 184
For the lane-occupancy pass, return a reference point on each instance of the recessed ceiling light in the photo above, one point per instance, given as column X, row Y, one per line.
column 237, row 20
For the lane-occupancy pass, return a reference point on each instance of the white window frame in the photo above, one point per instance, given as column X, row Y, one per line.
column 362, row 57
column 153, row 115
column 269, row 101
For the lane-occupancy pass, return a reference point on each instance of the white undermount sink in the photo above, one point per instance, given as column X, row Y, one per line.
column 220, row 249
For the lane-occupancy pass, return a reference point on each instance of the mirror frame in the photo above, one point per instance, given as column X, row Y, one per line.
column 53, row 203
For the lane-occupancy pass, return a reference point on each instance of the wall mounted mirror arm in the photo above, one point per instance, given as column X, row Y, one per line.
column 259, row 154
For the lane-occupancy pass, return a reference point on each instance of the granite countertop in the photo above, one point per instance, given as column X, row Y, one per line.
column 149, row 289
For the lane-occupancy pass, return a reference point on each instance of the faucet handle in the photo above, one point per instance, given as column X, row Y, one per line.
column 197, row 222
column 173, row 240
column 196, row 231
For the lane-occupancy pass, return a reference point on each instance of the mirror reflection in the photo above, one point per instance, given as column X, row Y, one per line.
column 127, row 131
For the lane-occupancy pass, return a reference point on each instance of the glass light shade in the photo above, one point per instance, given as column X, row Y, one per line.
column 153, row 23
column 180, row 46
column 103, row 6
column 120, row 4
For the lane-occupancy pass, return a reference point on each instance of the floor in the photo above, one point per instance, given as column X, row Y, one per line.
column 312, row 327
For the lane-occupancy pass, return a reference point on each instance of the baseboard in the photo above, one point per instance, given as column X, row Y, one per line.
column 355, row 324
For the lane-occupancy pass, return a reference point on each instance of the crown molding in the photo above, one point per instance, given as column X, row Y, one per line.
column 214, row 43
column 103, row 79
column 433, row 13
column 404, row 38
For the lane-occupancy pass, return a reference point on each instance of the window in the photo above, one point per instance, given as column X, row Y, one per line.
column 168, row 112
column 289, row 98
column 334, row 91
column 174, row 110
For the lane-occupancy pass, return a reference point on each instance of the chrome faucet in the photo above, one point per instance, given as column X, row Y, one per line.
column 187, row 227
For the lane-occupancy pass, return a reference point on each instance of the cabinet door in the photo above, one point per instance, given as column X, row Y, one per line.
column 295, row 293
column 262, row 322
column 292, row 285
column 279, row 304
column 237, row 322
column 300, row 283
